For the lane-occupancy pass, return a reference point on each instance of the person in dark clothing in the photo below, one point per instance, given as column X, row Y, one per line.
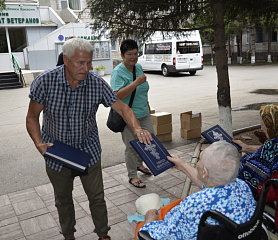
column 60, row 58
column 61, row 55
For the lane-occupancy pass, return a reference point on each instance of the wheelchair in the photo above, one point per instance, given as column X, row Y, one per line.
column 229, row 230
column 265, row 213
column 269, row 220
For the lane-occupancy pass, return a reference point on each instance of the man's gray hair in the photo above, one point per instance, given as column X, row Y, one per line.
column 222, row 161
column 71, row 45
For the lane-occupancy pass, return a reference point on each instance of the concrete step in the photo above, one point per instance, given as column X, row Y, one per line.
column 9, row 80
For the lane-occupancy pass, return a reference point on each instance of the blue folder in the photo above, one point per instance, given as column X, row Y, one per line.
column 153, row 154
column 216, row 133
column 68, row 155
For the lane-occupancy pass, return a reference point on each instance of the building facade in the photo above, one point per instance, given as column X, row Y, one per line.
column 261, row 47
column 34, row 32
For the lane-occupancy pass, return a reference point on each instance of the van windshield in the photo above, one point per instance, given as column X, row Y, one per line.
column 188, row 47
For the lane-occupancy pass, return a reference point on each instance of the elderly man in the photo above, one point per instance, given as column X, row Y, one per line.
column 216, row 174
column 69, row 96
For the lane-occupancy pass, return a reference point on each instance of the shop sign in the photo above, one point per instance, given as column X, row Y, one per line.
column 20, row 15
column 90, row 38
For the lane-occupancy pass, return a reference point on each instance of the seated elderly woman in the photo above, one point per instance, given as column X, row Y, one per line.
column 216, row 174
column 260, row 162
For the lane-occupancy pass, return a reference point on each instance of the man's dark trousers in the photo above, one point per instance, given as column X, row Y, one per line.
column 62, row 183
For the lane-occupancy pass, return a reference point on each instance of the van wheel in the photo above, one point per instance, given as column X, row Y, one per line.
column 192, row 73
column 165, row 70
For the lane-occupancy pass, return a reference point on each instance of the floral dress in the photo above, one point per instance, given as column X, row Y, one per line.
column 235, row 200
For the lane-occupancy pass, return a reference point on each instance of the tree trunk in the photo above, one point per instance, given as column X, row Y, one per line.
column 253, row 49
column 229, row 50
column 269, row 46
column 223, row 91
column 211, row 58
column 239, row 48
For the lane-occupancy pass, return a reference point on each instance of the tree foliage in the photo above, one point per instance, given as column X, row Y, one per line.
column 2, row 5
column 141, row 18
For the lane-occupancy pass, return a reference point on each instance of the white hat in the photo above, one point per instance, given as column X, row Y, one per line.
column 147, row 202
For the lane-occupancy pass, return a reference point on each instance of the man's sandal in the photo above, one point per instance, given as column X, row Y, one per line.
column 137, row 184
column 144, row 170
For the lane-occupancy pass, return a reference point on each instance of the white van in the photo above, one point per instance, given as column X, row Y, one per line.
column 171, row 54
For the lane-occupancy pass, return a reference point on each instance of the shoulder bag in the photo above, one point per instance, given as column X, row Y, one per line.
column 115, row 122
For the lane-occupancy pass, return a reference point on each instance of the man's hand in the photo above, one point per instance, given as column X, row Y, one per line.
column 143, row 136
column 42, row 147
column 131, row 120
column 151, row 215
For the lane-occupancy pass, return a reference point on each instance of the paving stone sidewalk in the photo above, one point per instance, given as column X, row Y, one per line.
column 30, row 213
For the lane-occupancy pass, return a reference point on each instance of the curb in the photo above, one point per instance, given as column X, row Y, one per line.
column 246, row 129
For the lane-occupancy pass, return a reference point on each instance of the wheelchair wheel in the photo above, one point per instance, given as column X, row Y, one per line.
column 265, row 235
column 268, row 222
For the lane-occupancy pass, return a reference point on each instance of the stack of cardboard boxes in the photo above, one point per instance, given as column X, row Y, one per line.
column 162, row 124
column 190, row 125
column 152, row 110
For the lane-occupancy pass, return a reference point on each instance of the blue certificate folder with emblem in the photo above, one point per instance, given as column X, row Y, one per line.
column 68, row 155
column 153, row 154
column 217, row 133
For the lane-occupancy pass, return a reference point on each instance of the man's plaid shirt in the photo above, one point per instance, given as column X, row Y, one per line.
column 70, row 115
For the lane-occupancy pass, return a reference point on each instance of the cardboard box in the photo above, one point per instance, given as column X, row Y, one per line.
column 191, row 125
column 152, row 110
column 188, row 134
column 189, row 116
column 190, row 121
column 162, row 129
column 161, row 118
column 165, row 137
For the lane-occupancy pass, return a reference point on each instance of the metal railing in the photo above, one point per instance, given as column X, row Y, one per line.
column 17, row 70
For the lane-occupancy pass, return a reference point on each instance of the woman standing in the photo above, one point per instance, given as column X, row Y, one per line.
column 123, row 85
